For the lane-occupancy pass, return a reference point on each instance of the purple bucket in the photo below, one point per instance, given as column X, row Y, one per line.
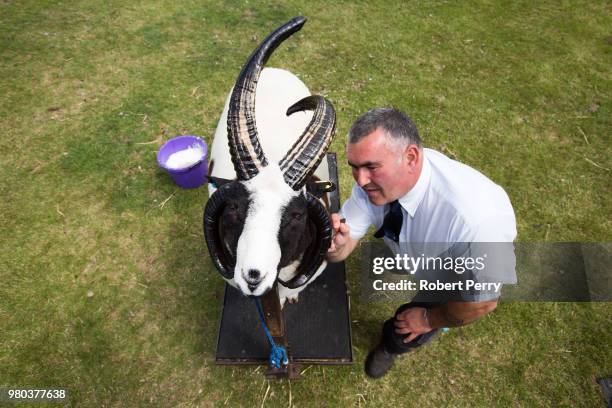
column 186, row 167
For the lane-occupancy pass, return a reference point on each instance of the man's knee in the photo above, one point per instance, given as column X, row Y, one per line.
column 394, row 342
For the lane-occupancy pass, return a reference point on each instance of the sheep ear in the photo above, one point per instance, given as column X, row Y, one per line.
column 218, row 181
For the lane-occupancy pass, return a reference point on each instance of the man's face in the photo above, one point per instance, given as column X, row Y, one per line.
column 381, row 170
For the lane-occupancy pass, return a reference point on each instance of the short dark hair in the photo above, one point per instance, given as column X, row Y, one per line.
column 396, row 124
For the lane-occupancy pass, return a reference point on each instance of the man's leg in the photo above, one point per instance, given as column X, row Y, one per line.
column 381, row 359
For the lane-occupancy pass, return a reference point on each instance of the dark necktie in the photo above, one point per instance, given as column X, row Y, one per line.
column 392, row 225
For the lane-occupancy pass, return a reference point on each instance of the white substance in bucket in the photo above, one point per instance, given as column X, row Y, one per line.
column 185, row 158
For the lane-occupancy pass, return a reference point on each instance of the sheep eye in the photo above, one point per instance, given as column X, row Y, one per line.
column 297, row 216
column 232, row 206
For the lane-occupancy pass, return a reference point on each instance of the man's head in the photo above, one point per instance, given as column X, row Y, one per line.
column 385, row 153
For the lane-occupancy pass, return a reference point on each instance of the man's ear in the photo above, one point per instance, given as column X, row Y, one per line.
column 412, row 155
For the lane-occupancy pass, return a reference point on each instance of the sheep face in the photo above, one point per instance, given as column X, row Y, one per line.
column 266, row 227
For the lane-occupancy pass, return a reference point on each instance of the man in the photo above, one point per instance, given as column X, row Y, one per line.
column 416, row 195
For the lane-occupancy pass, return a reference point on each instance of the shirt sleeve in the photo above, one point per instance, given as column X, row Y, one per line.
column 482, row 268
column 493, row 239
column 495, row 262
column 357, row 212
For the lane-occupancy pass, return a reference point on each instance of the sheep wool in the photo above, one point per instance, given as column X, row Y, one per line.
column 186, row 158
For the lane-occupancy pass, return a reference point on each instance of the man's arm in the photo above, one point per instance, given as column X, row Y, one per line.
column 455, row 314
column 342, row 244
column 417, row 320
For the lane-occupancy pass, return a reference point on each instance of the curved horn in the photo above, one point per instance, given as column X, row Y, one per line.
column 306, row 154
column 246, row 152
column 224, row 262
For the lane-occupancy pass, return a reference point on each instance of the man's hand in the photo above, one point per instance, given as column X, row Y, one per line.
column 341, row 233
column 342, row 244
column 413, row 322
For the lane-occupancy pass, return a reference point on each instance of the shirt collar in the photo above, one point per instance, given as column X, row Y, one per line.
column 411, row 200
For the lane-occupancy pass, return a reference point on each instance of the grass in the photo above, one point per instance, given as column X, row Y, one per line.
column 108, row 293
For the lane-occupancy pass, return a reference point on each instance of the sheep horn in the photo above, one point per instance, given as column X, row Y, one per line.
column 246, row 152
column 212, row 222
column 305, row 155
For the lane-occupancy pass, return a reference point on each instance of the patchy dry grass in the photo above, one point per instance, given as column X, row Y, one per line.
column 110, row 294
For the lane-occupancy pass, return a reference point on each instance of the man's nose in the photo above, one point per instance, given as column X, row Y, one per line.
column 361, row 177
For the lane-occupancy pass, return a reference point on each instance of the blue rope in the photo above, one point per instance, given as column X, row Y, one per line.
column 278, row 354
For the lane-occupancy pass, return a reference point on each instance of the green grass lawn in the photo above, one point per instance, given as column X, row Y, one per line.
column 106, row 287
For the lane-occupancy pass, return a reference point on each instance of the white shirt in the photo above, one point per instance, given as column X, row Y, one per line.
column 450, row 203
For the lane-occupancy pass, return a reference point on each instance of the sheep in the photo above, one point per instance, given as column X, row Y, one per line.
column 264, row 226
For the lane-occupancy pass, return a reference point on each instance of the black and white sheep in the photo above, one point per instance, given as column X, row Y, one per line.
column 263, row 226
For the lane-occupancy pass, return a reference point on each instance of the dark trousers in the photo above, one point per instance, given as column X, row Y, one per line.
column 394, row 342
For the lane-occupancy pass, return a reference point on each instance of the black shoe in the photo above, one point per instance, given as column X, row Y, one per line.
column 379, row 361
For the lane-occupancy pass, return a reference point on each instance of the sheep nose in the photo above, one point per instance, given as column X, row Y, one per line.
column 252, row 279
column 254, row 275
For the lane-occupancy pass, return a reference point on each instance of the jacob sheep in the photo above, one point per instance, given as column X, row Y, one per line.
column 264, row 226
